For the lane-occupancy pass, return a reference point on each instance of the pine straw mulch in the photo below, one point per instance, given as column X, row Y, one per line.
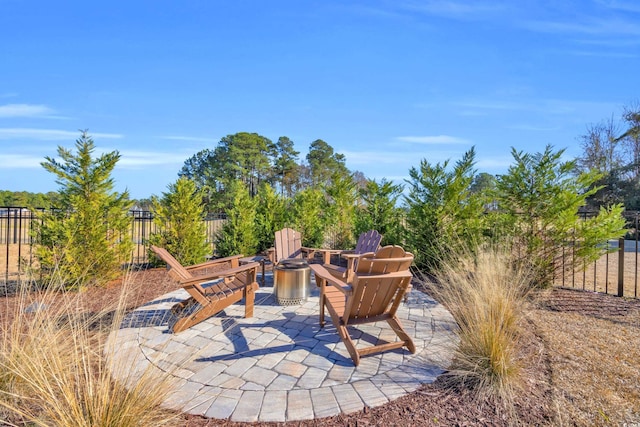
column 581, row 365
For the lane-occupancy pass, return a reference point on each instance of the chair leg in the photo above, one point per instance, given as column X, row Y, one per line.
column 321, row 283
column 249, row 299
column 402, row 334
column 206, row 311
column 322, row 302
column 348, row 342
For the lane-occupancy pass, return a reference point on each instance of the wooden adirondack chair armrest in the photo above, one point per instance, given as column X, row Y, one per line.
column 223, row 273
column 271, row 254
column 309, row 252
column 339, row 284
column 326, row 253
column 351, row 258
column 213, row 262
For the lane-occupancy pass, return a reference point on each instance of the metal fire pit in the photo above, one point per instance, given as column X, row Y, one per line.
column 292, row 281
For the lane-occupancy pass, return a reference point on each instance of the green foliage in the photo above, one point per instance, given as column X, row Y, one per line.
column 442, row 211
column 483, row 183
column 541, row 196
column 285, row 166
column 238, row 234
column 340, row 210
column 324, row 162
column 379, row 211
column 242, row 156
column 86, row 240
column 179, row 219
column 27, row 199
column 271, row 212
column 308, row 216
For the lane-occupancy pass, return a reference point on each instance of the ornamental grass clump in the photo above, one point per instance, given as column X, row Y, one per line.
column 486, row 294
column 56, row 368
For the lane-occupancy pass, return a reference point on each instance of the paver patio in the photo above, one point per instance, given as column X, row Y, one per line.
column 279, row 365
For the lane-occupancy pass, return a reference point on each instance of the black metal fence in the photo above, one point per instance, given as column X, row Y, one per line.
column 18, row 237
column 614, row 273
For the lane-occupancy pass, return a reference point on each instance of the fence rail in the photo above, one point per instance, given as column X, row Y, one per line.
column 615, row 273
column 18, row 237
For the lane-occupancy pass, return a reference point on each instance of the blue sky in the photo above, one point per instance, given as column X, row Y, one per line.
column 386, row 83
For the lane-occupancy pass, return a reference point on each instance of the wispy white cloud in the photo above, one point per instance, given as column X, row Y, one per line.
column 436, row 139
column 130, row 159
column 603, row 54
column 626, row 6
column 455, row 9
column 25, row 110
column 19, row 161
column 190, row 139
column 592, row 27
column 546, row 106
column 50, row 134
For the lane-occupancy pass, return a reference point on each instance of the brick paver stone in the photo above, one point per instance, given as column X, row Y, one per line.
column 324, row 402
column 312, row 378
column 369, row 393
column 248, row 407
column 224, row 404
column 290, row 368
column 283, row 382
column 207, row 373
column 348, row 398
column 299, row 406
column 259, row 375
column 274, row 406
column 199, row 404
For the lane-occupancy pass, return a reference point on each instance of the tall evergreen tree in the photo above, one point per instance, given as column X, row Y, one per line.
column 179, row 220
column 542, row 195
column 324, row 162
column 442, row 211
column 271, row 215
column 340, row 209
column 285, row 164
column 86, row 240
column 380, row 211
column 238, row 234
column 308, row 216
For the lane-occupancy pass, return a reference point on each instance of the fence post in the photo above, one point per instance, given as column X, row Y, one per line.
column 621, row 267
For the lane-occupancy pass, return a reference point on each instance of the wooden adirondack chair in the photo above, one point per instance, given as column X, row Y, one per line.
column 288, row 246
column 233, row 284
column 377, row 288
column 368, row 242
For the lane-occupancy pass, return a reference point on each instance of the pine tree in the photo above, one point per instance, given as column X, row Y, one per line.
column 270, row 215
column 179, row 217
column 238, row 234
column 86, row 239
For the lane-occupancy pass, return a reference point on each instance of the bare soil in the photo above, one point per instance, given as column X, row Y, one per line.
column 581, row 365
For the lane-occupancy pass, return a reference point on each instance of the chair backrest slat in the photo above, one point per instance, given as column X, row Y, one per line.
column 386, row 260
column 375, row 291
column 176, row 270
column 369, row 241
column 288, row 244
